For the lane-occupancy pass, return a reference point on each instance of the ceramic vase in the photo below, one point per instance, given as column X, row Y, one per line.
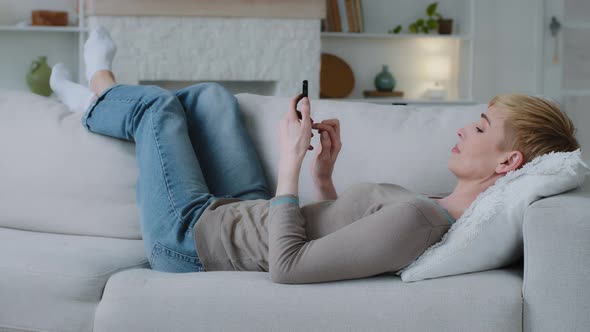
column 384, row 81
column 38, row 77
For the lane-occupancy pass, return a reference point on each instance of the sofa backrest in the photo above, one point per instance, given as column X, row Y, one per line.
column 56, row 176
column 406, row 145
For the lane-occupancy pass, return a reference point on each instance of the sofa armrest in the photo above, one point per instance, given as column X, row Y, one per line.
column 556, row 285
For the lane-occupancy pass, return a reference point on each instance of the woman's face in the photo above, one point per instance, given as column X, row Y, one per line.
column 477, row 154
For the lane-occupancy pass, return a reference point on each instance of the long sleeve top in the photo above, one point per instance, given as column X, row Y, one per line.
column 371, row 228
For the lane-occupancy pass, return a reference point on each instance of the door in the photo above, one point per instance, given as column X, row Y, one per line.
column 566, row 62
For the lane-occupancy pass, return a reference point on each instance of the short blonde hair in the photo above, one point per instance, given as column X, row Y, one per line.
column 534, row 126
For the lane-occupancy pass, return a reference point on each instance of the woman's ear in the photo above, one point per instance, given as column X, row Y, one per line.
column 511, row 161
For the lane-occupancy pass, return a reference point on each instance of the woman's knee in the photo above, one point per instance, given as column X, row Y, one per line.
column 160, row 99
column 208, row 91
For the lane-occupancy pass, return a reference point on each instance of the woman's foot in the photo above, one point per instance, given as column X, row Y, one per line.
column 75, row 96
column 99, row 51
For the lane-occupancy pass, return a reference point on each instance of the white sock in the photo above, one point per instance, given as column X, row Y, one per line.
column 75, row 96
column 99, row 51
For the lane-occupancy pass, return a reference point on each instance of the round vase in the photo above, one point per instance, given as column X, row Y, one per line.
column 384, row 81
column 38, row 77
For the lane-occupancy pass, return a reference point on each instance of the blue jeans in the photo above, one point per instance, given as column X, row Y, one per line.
column 191, row 147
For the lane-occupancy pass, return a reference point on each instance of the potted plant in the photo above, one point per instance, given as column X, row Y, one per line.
column 433, row 21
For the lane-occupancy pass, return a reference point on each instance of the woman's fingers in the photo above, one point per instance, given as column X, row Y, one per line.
column 334, row 139
column 335, row 123
column 305, row 113
column 293, row 107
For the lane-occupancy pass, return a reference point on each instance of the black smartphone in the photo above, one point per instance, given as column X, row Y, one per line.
column 303, row 95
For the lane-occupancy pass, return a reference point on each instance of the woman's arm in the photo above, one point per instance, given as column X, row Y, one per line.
column 384, row 241
column 325, row 190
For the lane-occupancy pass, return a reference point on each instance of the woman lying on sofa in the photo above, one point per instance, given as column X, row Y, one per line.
column 205, row 204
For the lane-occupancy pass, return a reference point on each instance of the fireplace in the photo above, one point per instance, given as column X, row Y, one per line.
column 262, row 55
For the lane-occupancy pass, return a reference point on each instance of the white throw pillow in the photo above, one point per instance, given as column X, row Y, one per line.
column 489, row 233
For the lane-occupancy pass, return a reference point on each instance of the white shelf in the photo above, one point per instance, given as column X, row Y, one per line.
column 575, row 93
column 42, row 28
column 577, row 24
column 364, row 35
column 400, row 101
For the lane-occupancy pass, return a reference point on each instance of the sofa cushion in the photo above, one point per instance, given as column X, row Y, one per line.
column 142, row 300
column 53, row 282
column 56, row 176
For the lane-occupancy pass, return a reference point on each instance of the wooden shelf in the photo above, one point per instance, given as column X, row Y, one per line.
column 42, row 28
column 381, row 94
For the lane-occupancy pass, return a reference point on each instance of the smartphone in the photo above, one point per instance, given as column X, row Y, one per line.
column 303, row 95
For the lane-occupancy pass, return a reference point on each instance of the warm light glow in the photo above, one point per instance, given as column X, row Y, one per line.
column 438, row 67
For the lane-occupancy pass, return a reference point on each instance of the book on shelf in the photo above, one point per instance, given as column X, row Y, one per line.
column 355, row 15
column 344, row 16
column 336, row 14
column 359, row 16
column 350, row 8
column 333, row 22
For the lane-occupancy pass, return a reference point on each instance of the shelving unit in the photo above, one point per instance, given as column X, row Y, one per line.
column 29, row 35
column 401, row 52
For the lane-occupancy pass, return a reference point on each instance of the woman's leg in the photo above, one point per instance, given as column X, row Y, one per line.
column 171, row 189
column 221, row 143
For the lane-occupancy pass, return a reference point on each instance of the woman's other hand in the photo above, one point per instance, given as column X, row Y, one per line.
column 322, row 165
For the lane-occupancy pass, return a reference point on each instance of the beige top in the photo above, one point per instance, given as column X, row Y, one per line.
column 370, row 228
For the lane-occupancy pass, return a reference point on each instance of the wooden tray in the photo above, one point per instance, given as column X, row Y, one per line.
column 375, row 93
column 336, row 77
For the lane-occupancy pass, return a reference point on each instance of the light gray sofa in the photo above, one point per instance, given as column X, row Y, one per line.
column 71, row 255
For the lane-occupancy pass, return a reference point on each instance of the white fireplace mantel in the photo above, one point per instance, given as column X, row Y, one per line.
column 168, row 48
column 267, row 42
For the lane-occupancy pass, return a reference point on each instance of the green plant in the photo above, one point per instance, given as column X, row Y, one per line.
column 423, row 25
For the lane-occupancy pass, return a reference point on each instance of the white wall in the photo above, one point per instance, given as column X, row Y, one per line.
column 507, row 41
column 508, row 47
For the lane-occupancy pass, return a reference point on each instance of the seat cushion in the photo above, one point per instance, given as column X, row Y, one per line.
column 53, row 282
column 143, row 299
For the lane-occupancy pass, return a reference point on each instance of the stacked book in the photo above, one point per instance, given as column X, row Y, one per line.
column 344, row 16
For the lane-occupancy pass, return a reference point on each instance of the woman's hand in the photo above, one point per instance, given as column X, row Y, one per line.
column 322, row 165
column 295, row 138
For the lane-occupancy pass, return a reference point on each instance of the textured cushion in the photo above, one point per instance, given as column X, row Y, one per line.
column 53, row 282
column 56, row 176
column 404, row 145
column 489, row 233
column 147, row 300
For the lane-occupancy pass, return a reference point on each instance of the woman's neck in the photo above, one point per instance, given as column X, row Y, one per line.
column 462, row 196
